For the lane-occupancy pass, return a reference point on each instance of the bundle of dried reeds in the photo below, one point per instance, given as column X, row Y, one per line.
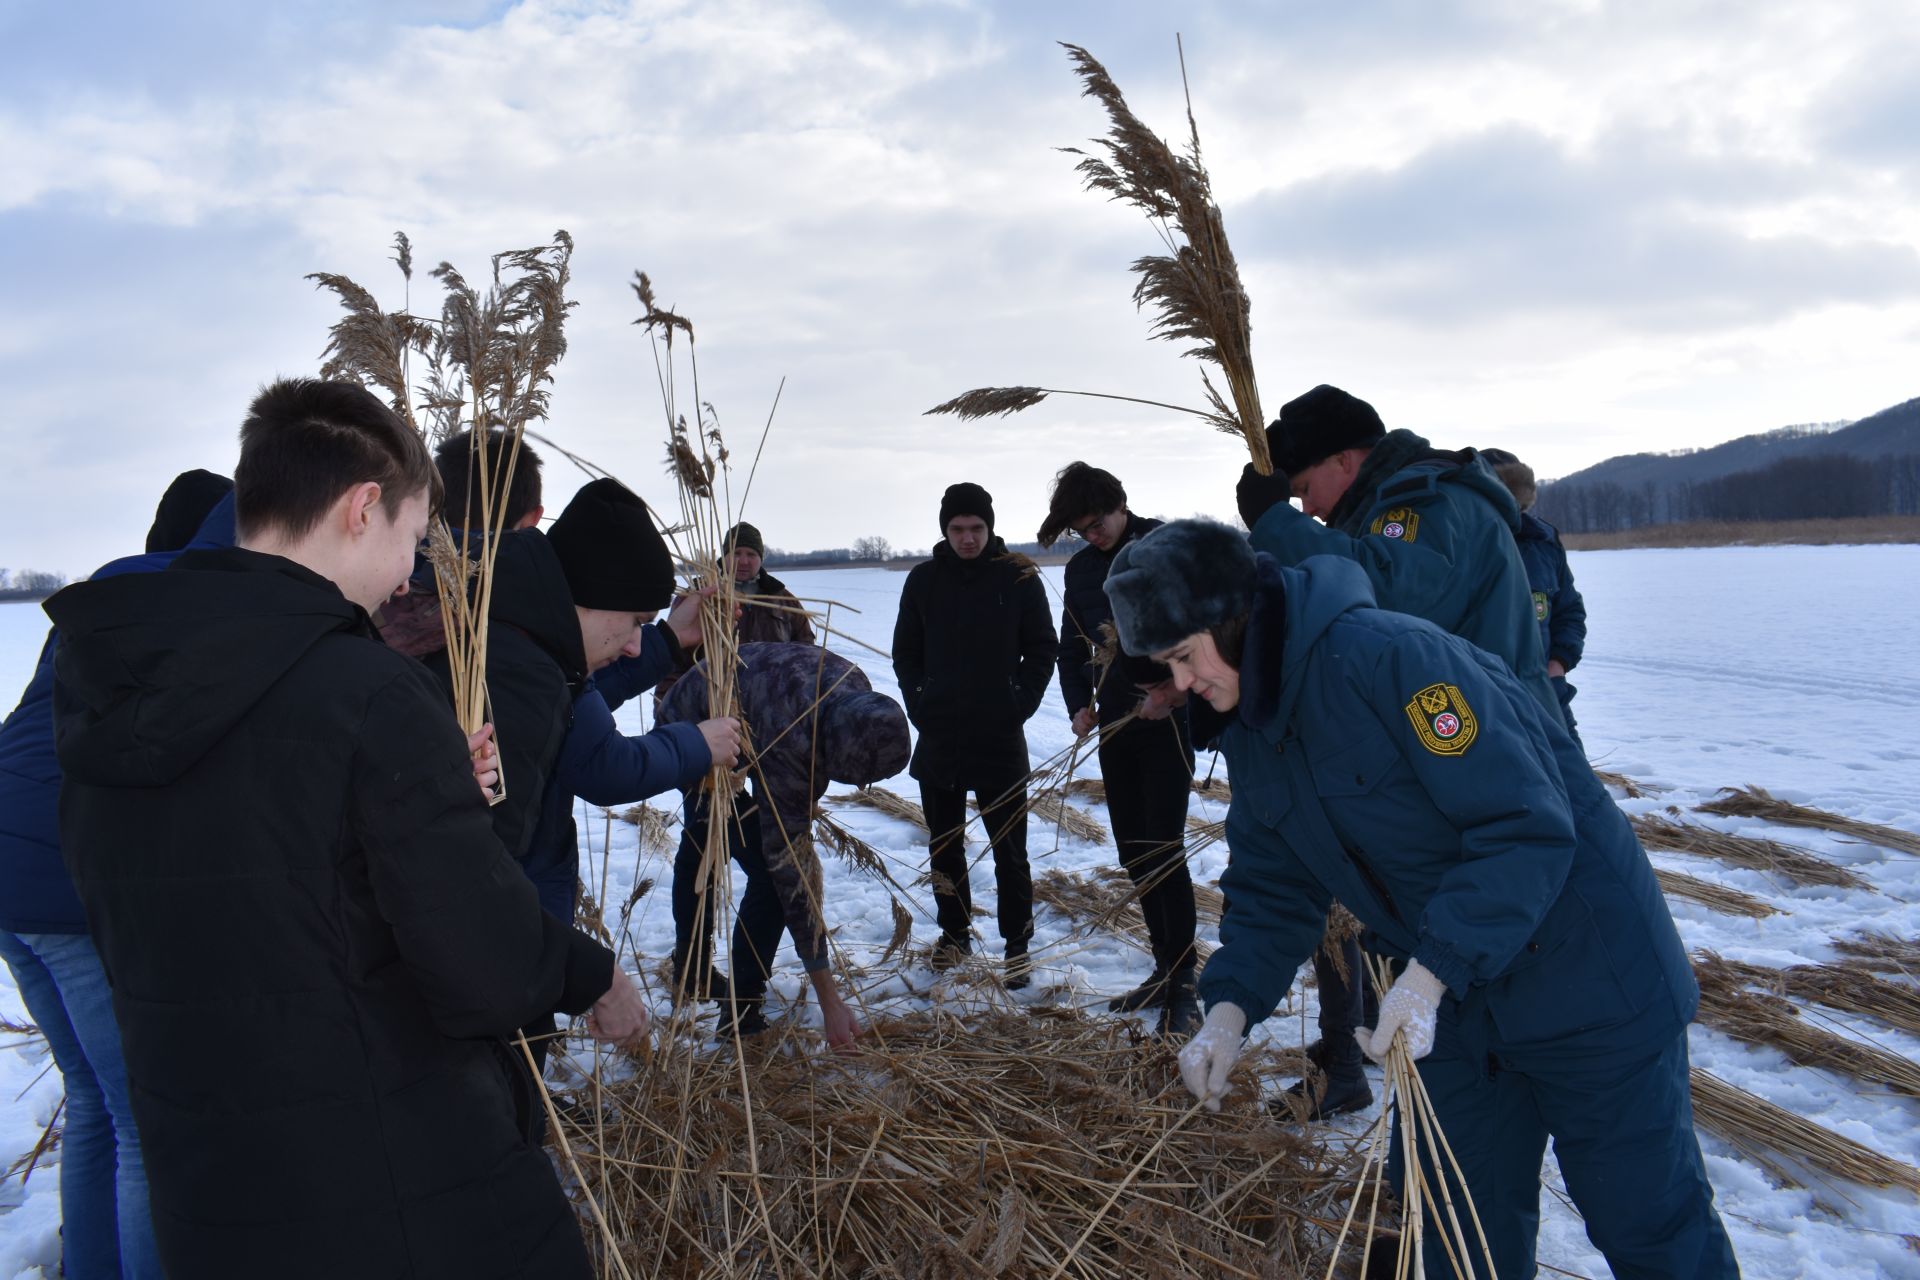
column 1633, row 789
column 1194, row 286
column 1795, row 864
column 1838, row 986
column 656, row 827
column 1757, row 802
column 885, row 801
column 1727, row 1004
column 1093, row 789
column 1213, row 789
column 1871, row 949
column 1717, row 897
column 1051, row 805
column 1756, row 1128
column 488, row 362
column 995, row 1144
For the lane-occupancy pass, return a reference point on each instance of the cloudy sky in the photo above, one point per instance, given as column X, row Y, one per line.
column 1571, row 229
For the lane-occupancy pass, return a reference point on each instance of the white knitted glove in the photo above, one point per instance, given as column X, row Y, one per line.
column 1207, row 1058
column 1411, row 1007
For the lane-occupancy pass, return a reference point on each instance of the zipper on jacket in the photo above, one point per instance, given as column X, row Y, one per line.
column 1375, row 883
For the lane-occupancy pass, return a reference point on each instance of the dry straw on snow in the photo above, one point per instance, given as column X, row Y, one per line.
column 1727, row 1004
column 1843, row 986
column 1716, row 897
column 1194, row 286
column 996, row 1144
column 1795, row 864
column 1757, row 802
column 1758, row 1129
column 1874, row 950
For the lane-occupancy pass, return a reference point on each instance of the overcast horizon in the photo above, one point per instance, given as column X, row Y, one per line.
column 1572, row 230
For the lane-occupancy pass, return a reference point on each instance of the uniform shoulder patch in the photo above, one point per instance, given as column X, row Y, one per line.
column 1399, row 522
column 1444, row 722
column 1541, row 607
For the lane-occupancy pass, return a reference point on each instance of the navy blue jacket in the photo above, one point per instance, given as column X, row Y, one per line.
column 1557, row 605
column 1383, row 762
column 604, row 766
column 1435, row 533
column 36, row 893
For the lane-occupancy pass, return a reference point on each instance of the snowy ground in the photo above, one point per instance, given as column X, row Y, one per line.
column 1784, row 667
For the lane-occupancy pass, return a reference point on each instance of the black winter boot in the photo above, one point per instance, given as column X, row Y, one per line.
column 742, row 1015
column 1180, row 1016
column 1019, row 971
column 1336, row 1086
column 1151, row 994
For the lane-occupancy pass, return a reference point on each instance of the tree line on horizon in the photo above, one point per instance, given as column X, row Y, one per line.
column 1834, row 486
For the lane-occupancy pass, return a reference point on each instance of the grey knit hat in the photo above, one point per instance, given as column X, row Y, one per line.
column 1181, row 579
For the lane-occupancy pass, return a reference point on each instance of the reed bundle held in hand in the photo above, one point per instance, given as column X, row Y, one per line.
column 486, row 366
column 1194, row 286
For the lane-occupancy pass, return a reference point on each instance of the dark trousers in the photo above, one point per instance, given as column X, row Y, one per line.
column 1006, row 824
column 1148, row 773
column 1625, row 1141
column 757, row 925
column 1343, row 1006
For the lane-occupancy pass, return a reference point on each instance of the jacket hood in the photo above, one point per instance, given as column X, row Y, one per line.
column 154, row 668
column 1534, row 529
column 1405, row 464
column 1292, row 609
column 530, row 593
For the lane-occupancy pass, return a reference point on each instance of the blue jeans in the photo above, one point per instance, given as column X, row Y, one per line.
column 106, row 1228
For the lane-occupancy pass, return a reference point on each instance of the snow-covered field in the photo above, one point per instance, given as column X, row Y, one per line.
column 1783, row 667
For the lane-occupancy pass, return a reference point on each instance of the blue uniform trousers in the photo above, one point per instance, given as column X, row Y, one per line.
column 1625, row 1141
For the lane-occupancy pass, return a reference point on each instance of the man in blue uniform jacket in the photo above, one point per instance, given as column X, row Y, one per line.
column 1557, row 605
column 1542, row 985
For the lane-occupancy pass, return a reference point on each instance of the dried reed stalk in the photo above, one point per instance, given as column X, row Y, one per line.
column 46, row 1145
column 1051, row 806
column 1870, row 949
column 1634, row 790
column 1213, row 789
column 1000, row 1143
column 1757, row 802
column 1194, row 286
column 656, row 827
column 1754, row 1127
column 885, row 801
column 1843, row 986
column 1797, row 865
column 1717, row 897
column 1727, row 1005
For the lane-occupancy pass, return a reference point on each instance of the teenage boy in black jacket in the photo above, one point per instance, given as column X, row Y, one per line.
column 314, row 938
column 973, row 648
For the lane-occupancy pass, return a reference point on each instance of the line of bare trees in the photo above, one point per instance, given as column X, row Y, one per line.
column 1793, row 489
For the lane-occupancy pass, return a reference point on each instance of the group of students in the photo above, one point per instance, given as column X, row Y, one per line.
column 274, row 845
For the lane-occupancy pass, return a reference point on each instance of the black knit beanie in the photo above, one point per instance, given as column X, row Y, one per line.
column 613, row 557
column 1179, row 580
column 745, row 535
column 965, row 499
column 183, row 507
column 1319, row 424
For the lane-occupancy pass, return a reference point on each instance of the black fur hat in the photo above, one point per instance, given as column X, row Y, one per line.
column 1181, row 579
column 1313, row 427
column 612, row 555
column 965, row 499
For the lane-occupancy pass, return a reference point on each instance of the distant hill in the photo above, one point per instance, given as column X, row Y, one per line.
column 1865, row 468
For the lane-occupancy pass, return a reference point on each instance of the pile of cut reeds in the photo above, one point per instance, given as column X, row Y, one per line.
column 1727, row 1004
column 1756, row 1128
column 655, row 827
column 1716, row 897
column 1757, row 854
column 1609, row 778
column 1051, row 805
column 1838, row 986
column 1758, row 802
column 887, row 802
column 1000, row 1143
column 1871, row 949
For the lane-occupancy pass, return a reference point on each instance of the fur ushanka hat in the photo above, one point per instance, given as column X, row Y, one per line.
column 1181, row 579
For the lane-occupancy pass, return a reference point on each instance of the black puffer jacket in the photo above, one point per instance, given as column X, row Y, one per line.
column 1084, row 619
column 312, row 933
column 973, row 648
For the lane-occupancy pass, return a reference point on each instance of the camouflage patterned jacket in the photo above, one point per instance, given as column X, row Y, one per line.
column 811, row 718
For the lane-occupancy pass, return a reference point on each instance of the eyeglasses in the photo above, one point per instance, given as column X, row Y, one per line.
column 1080, row 530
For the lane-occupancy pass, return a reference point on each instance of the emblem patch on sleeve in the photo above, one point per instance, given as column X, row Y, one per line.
column 1539, row 606
column 1400, row 522
column 1443, row 720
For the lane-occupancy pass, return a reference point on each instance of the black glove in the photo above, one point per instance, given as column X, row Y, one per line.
column 1257, row 494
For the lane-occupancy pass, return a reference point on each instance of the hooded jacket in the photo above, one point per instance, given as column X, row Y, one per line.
column 1557, row 605
column 815, row 720
column 36, row 893
column 974, row 649
column 1435, row 534
column 312, row 933
column 1382, row 762
column 1085, row 615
